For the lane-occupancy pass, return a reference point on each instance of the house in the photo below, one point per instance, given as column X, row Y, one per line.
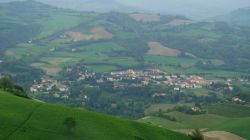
column 176, row 89
column 159, row 95
column 196, row 109
column 238, row 100
column 73, row 50
column 52, row 49
column 33, row 89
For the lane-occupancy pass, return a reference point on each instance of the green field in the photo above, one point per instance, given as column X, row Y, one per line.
column 229, row 110
column 26, row 119
column 102, row 68
column 185, row 121
column 224, row 117
column 182, row 65
column 164, row 107
column 53, row 56
column 201, row 92
column 239, row 126
column 183, row 62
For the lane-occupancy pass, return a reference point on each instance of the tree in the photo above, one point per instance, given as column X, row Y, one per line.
column 70, row 124
column 197, row 135
column 139, row 138
column 5, row 83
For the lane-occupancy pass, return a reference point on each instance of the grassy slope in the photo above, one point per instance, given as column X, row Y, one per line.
column 239, row 126
column 226, row 117
column 229, row 110
column 25, row 119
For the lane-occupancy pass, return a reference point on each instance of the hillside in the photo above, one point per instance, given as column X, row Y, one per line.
column 219, row 117
column 239, row 126
column 30, row 120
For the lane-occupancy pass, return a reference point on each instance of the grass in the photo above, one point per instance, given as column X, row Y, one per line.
column 239, row 126
column 179, row 65
column 207, row 73
column 185, row 121
column 165, row 60
column 161, row 122
column 220, row 117
column 26, row 119
column 104, row 47
column 193, row 33
column 229, row 110
column 102, row 68
column 53, row 61
column 59, row 21
column 164, row 107
column 126, row 35
column 202, row 121
column 201, row 92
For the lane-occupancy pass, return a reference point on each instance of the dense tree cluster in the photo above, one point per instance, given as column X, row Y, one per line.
column 8, row 86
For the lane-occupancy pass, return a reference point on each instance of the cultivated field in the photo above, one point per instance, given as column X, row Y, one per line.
column 157, row 48
column 221, row 135
column 100, row 33
column 145, row 17
column 77, row 36
column 97, row 33
column 178, row 22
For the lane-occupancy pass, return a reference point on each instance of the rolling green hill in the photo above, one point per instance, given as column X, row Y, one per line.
column 30, row 120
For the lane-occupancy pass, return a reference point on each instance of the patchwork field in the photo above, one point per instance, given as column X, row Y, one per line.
column 221, row 135
column 49, row 69
column 178, row 22
column 145, row 17
column 97, row 33
column 101, row 33
column 78, row 36
column 157, row 48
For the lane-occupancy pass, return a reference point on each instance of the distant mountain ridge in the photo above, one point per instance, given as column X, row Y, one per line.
column 240, row 17
column 87, row 5
column 195, row 9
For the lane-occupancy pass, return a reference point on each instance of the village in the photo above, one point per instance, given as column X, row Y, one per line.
column 122, row 80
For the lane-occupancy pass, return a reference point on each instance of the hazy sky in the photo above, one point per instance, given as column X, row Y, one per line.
column 191, row 8
column 196, row 9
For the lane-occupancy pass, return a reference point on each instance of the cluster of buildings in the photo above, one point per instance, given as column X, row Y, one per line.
column 238, row 100
column 122, row 80
column 49, row 84
column 157, row 77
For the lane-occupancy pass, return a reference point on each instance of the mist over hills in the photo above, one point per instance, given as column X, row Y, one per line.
column 240, row 17
column 87, row 5
column 195, row 9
